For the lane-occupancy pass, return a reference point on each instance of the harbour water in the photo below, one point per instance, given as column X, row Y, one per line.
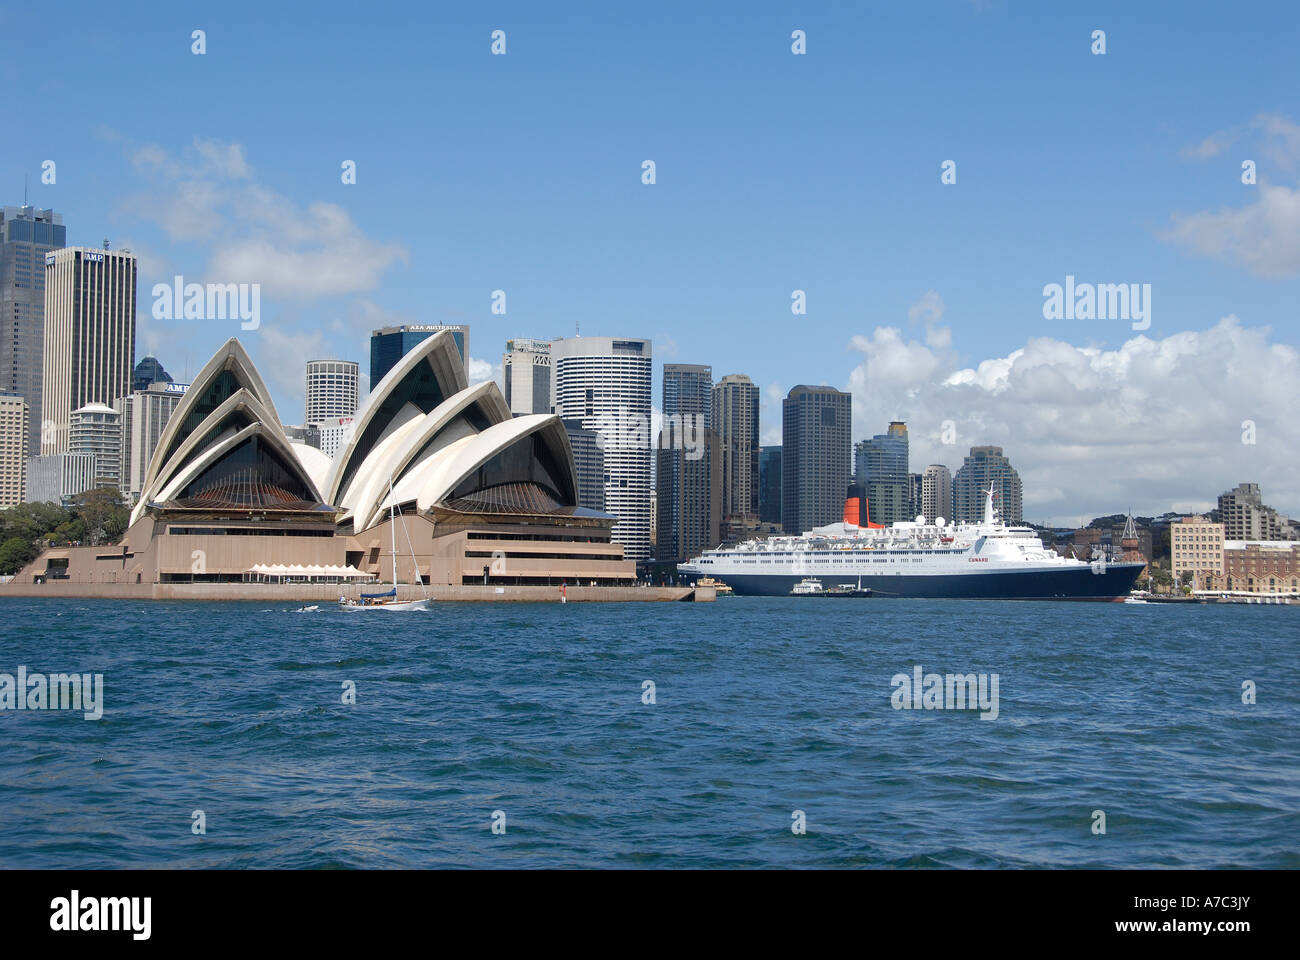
column 762, row 707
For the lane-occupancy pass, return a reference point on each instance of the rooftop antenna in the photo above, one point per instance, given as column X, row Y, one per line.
column 24, row 189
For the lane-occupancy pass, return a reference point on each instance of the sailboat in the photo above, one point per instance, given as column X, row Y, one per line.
column 388, row 599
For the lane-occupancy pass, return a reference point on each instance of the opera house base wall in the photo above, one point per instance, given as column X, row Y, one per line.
column 330, row 593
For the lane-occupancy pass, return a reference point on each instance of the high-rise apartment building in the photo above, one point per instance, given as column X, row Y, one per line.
column 605, row 383
column 331, row 390
column 1245, row 516
column 96, row 429
column 89, row 335
column 816, row 451
column 1195, row 547
column 58, row 477
column 144, row 414
column 735, row 421
column 687, row 479
column 390, row 344
column 986, row 465
column 880, row 468
column 27, row 234
column 14, row 425
column 936, row 493
column 769, row 484
column 526, row 370
column 589, row 460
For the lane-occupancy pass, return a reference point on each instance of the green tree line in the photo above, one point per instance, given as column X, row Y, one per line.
column 94, row 518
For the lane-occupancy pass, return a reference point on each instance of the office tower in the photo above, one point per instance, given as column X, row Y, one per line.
column 148, row 371
column 769, row 484
column 526, row 370
column 936, row 493
column 27, row 234
column 89, row 335
column 688, row 483
column 14, row 425
column 58, row 477
column 914, row 491
column 308, row 434
column 605, row 383
column 332, row 435
column 986, row 465
column 390, row 344
column 589, row 459
column 815, row 452
column 144, row 413
column 96, row 429
column 735, row 421
column 1245, row 516
column 880, row 467
column 331, row 389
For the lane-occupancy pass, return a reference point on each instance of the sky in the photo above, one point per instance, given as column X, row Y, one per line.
column 774, row 172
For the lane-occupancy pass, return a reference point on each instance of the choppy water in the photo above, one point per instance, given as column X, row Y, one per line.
column 764, row 706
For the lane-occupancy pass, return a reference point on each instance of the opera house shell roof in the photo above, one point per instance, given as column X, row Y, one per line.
column 423, row 438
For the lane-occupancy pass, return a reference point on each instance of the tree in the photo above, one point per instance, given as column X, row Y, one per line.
column 15, row 553
column 104, row 513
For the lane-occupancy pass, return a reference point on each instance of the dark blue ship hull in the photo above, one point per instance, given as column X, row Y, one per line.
column 1070, row 583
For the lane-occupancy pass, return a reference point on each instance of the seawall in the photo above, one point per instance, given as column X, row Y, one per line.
column 318, row 592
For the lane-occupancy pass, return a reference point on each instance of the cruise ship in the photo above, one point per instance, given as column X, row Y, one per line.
column 988, row 560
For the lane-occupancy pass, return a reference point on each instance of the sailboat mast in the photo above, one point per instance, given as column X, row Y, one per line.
column 392, row 529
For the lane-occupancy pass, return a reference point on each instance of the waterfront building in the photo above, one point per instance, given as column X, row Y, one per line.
column 986, row 465
column 390, row 344
column 816, row 451
column 526, row 372
column 144, row 413
column 1267, row 567
column 89, row 343
column 27, row 234
column 769, row 484
column 58, row 477
column 735, row 421
column 1246, row 517
column 484, row 497
column 936, row 493
column 1195, row 547
column 604, row 382
column 881, row 469
column 14, row 424
column 332, row 387
column 96, row 429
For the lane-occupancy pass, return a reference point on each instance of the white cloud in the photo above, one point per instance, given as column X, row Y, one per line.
column 1263, row 236
column 1149, row 425
column 204, row 195
column 480, row 370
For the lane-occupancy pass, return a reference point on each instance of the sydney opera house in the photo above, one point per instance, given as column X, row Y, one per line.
column 480, row 496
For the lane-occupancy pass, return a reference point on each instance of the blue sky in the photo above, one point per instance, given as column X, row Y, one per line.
column 774, row 172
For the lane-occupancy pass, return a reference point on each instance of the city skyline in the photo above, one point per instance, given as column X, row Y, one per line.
column 924, row 299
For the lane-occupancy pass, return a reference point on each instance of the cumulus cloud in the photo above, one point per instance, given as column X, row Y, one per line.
column 205, row 195
column 1263, row 236
column 1152, row 425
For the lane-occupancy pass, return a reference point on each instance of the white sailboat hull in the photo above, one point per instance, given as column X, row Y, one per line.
column 396, row 605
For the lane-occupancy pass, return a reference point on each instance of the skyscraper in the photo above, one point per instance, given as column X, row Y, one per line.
column 881, row 470
column 589, row 461
column 390, row 344
column 145, row 413
column 13, row 449
column 986, row 465
column 96, row 429
column 148, row 371
column 331, row 390
column 526, row 370
column 605, row 383
column 735, row 421
column 1245, row 516
column 687, row 479
column 815, row 453
column 27, row 234
column 89, row 335
column 769, row 484
column 936, row 493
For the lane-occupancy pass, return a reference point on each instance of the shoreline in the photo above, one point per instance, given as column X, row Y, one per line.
column 330, row 592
